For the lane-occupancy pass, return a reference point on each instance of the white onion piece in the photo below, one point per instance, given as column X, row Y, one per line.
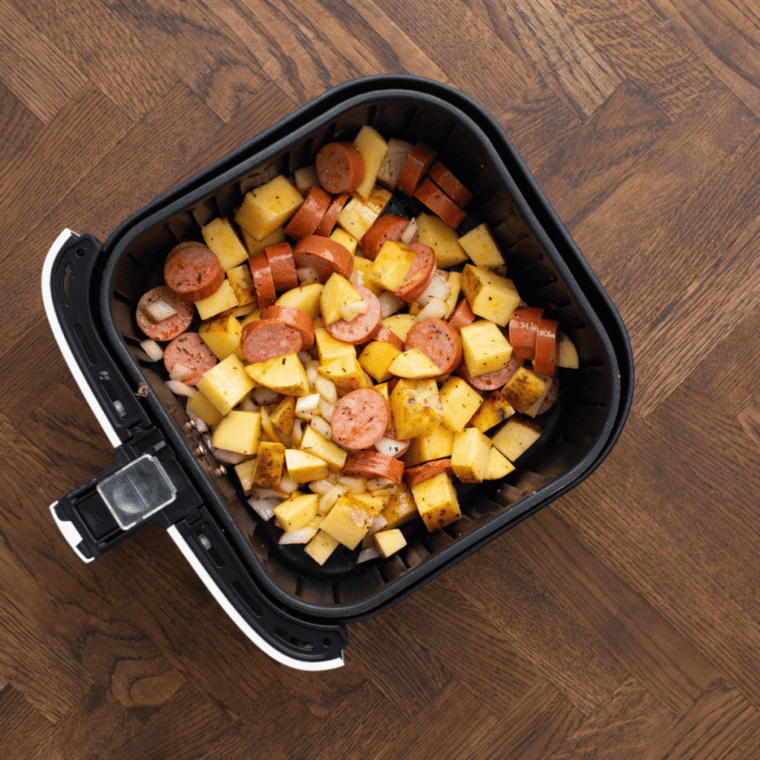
column 264, row 508
column 178, row 388
column 365, row 555
column 380, row 523
column 265, row 493
column 411, row 230
column 226, row 457
column 386, row 493
column 307, row 405
column 268, row 427
column 326, row 409
column 305, row 357
column 439, row 288
column 248, row 405
column 311, row 372
column 389, row 304
column 320, row 486
column 375, row 484
column 354, row 485
column 350, row 311
column 300, row 536
column 296, row 434
column 304, row 178
column 287, row 485
column 436, row 309
column 200, row 425
column 159, row 310
column 181, row 372
column 327, row 500
column 390, row 447
column 262, row 395
column 322, row 427
column 307, row 274
column 152, row 349
column 326, row 389
column 357, row 277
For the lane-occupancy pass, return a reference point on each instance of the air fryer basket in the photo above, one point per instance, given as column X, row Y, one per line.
column 542, row 260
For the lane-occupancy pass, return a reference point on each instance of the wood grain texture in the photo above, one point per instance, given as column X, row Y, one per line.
column 620, row 621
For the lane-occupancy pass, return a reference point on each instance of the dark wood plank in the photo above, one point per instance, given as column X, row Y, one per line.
column 25, row 728
column 19, row 126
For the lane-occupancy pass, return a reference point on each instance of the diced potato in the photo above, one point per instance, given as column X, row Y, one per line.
column 244, row 470
column 392, row 264
column 226, row 384
column 359, row 214
column 376, row 358
column 398, row 150
column 469, row 459
column 337, row 292
column 329, row 348
column 269, row 461
column 305, row 178
column 485, row 348
column 490, row 296
column 251, row 317
column 524, row 388
column 492, row 411
column 567, row 353
column 399, row 324
column 413, row 364
column 284, row 415
column 238, row 431
column 515, row 437
column 220, row 236
column 498, row 465
column 455, row 281
column 460, row 402
column 361, row 276
column 349, row 242
column 437, row 501
column 345, row 372
column 347, row 522
column 256, row 246
column 382, row 389
column 369, row 502
column 442, row 238
column 306, row 298
column 378, row 199
column 268, row 207
column 240, row 311
column 436, row 445
column 297, row 511
column 389, row 541
column 321, row 547
column 314, row 443
column 200, row 404
column 401, row 508
column 373, row 149
column 481, row 247
column 304, row 467
column 416, row 408
column 284, row 374
column 223, row 299
column 241, row 280
column 222, row 335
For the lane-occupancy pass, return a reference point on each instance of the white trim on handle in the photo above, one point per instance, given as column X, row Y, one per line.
column 70, row 533
column 55, row 325
column 255, row 637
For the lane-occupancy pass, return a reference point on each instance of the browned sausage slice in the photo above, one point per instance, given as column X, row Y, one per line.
column 324, row 256
column 310, row 213
column 546, row 345
column 450, row 184
column 193, row 271
column 361, row 328
column 420, row 274
column 492, row 380
column 374, row 464
column 293, row 317
column 280, row 258
column 266, row 339
column 167, row 328
column 388, row 336
column 263, row 281
column 340, row 167
column 438, row 340
column 189, row 350
column 360, row 419
column 416, row 164
column 523, row 325
column 386, row 227
column 439, row 203
column 418, row 474
column 463, row 315
column 330, row 218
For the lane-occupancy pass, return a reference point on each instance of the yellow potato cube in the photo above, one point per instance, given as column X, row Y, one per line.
column 413, row 364
column 524, row 389
column 269, row 461
column 376, row 358
column 369, row 502
column 389, row 541
column 222, row 335
column 200, row 404
column 241, row 280
column 349, row 242
column 378, row 199
column 442, row 238
column 356, row 217
column 329, row 348
column 304, row 467
column 306, row 298
column 490, row 296
column 297, row 511
column 469, row 459
column 362, row 276
column 256, row 246
column 498, row 465
column 401, row 508
column 284, row 374
column 488, row 415
column 244, row 470
column 481, row 247
column 250, row 317
column 284, row 415
column 436, row 445
column 223, row 299
column 437, row 501
column 268, row 207
column 399, row 324
column 321, row 547
column 515, row 437
column 455, row 281
column 239, row 432
column 393, row 262
column 416, row 408
column 460, row 402
column 220, row 236
column 313, row 443
column 485, row 348
column 345, row 372
column 382, row 389
column 226, row 384
column 337, row 292
column 347, row 522
column 373, row 149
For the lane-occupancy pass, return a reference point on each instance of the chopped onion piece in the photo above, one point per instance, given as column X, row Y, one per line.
column 322, row 427
column 357, row 277
column 327, row 502
column 311, row 372
column 152, row 349
column 320, row 486
column 159, row 310
column 226, row 457
column 268, row 427
column 178, row 388
column 326, row 409
column 326, row 389
column 307, row 274
column 248, row 405
column 200, row 425
column 350, row 311
column 365, row 555
column 354, row 485
column 439, row 288
column 296, row 434
column 182, row 372
column 386, row 493
column 389, row 304
column 409, row 233
column 375, row 484
column 300, row 536
column 390, row 447
column 436, row 309
column 265, row 493
column 287, row 485
column 264, row 508
column 262, row 395
column 307, row 405
column 304, row 356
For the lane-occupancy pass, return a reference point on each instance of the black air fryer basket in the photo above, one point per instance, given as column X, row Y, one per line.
column 288, row 605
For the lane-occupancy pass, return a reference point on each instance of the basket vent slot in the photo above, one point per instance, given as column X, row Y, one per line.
column 85, row 344
column 253, row 605
column 67, row 284
column 210, row 548
column 285, row 636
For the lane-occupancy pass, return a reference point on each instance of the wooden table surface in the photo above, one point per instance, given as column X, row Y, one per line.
column 621, row 621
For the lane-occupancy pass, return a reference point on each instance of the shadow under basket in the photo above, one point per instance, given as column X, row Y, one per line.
column 298, row 607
